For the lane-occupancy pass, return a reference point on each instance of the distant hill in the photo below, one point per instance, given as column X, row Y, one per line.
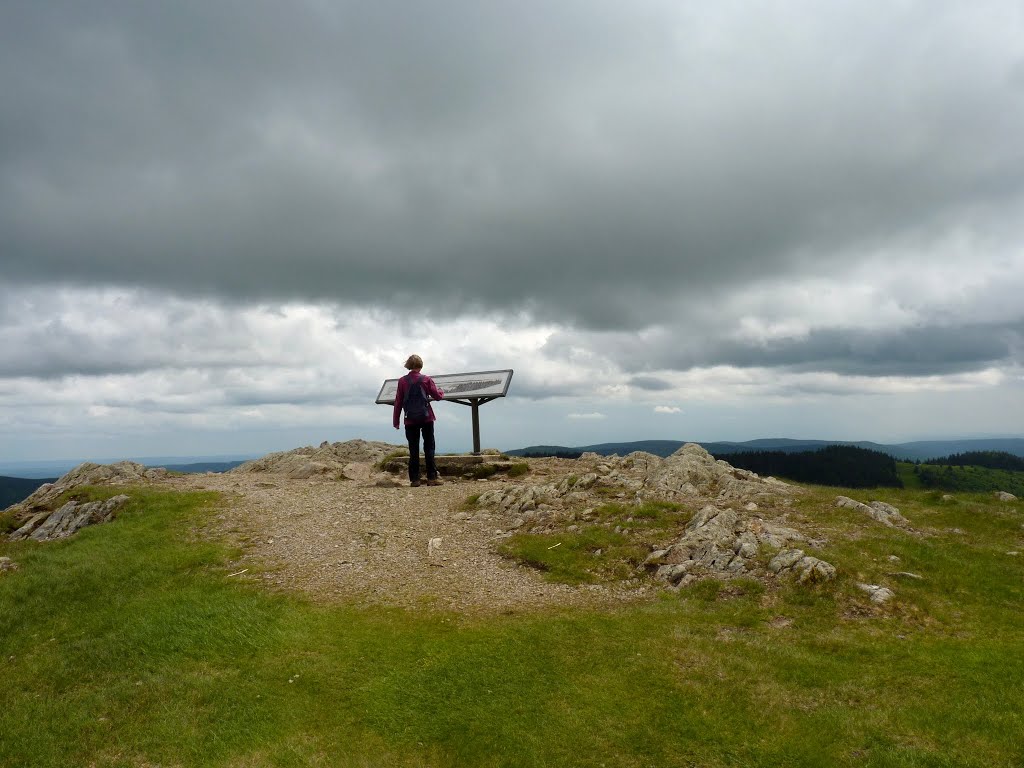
column 914, row 451
column 657, row 447
column 203, row 466
column 15, row 489
column 58, row 467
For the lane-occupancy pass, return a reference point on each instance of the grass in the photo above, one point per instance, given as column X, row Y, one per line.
column 481, row 471
column 8, row 523
column 131, row 645
column 610, row 546
column 519, row 469
column 385, row 461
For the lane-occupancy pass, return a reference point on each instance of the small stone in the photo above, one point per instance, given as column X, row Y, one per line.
column 747, row 550
column 655, row 556
column 787, row 558
column 671, row 573
column 878, row 594
column 814, row 571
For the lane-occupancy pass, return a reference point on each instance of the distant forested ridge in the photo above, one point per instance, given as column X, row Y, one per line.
column 841, row 465
column 974, row 472
column 15, row 489
column 969, row 479
column 541, row 453
column 916, row 451
column 988, row 459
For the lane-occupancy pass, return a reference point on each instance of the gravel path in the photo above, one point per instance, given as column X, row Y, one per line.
column 353, row 541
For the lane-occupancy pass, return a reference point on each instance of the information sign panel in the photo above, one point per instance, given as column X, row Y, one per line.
column 458, row 386
column 472, row 389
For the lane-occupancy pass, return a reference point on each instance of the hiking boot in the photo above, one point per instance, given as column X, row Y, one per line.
column 435, row 481
column 415, row 484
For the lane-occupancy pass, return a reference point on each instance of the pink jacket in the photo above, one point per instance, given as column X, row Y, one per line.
column 433, row 393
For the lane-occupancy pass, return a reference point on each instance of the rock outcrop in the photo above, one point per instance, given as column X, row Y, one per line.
column 69, row 519
column 518, row 500
column 688, row 474
column 45, row 497
column 729, row 536
column 47, row 514
column 691, row 472
column 728, row 542
column 328, row 460
column 1004, row 496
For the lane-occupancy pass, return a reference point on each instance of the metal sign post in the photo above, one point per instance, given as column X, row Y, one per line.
column 472, row 389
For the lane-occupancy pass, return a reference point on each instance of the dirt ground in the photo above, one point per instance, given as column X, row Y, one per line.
column 351, row 540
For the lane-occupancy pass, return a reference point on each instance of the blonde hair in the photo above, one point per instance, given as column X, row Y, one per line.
column 414, row 363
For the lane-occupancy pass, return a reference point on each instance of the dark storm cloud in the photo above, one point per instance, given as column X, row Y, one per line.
column 650, row 383
column 589, row 162
column 918, row 351
column 636, row 173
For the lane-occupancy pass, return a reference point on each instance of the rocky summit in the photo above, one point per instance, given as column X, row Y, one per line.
column 731, row 522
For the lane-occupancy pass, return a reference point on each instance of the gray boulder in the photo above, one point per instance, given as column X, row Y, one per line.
column 69, row 519
column 884, row 513
column 325, row 459
column 726, row 542
column 807, row 569
column 878, row 594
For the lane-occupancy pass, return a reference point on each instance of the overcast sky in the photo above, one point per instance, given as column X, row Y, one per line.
column 224, row 224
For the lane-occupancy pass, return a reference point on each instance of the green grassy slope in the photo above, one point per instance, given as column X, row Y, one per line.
column 131, row 644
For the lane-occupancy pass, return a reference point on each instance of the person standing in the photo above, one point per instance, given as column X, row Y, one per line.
column 415, row 391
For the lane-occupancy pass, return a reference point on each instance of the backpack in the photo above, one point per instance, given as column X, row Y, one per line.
column 415, row 403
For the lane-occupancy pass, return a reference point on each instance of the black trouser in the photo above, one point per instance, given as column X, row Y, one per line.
column 412, row 434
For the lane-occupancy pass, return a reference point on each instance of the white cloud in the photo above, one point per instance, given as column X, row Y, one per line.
column 667, row 409
column 593, row 416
